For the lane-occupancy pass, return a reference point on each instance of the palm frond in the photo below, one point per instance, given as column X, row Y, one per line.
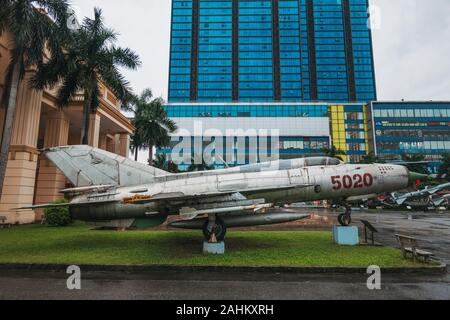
column 69, row 88
column 49, row 73
column 124, row 57
column 57, row 10
column 146, row 95
column 115, row 81
column 5, row 12
column 96, row 23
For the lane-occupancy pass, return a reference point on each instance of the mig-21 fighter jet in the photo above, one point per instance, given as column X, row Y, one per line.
column 110, row 190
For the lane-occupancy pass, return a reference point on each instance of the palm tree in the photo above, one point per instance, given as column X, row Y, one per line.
column 137, row 143
column 152, row 124
column 34, row 26
column 90, row 57
column 334, row 152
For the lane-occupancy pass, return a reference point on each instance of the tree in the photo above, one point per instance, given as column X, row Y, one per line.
column 137, row 143
column 34, row 26
column 161, row 162
column 415, row 163
column 371, row 158
column 200, row 166
column 90, row 57
column 444, row 170
column 153, row 126
column 334, row 152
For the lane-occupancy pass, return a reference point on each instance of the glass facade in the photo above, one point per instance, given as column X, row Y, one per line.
column 411, row 128
column 214, row 51
column 271, row 50
column 255, row 76
column 244, row 152
column 307, row 62
column 180, row 51
column 244, row 111
column 346, row 126
column 350, row 131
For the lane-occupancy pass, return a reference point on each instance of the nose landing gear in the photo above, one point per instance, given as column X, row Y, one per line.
column 214, row 230
column 345, row 219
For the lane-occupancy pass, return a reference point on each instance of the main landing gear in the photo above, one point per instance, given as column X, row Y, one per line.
column 214, row 230
column 345, row 219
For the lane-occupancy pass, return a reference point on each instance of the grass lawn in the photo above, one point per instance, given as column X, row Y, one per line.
column 79, row 244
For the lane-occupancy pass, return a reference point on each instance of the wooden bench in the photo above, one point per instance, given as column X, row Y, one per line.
column 409, row 246
column 3, row 223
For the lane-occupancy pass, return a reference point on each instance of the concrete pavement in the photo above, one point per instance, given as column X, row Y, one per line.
column 432, row 230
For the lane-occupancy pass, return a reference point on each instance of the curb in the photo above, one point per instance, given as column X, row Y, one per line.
column 438, row 270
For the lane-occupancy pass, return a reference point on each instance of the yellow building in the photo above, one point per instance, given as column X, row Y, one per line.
column 40, row 123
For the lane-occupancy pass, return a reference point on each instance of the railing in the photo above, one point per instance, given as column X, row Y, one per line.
column 107, row 97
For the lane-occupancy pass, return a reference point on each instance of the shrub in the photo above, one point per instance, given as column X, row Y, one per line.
column 58, row 216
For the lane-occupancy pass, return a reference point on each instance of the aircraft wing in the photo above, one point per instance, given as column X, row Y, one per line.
column 166, row 197
column 179, row 196
column 439, row 188
column 403, row 199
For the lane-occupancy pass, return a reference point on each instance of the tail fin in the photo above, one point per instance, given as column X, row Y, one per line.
column 86, row 166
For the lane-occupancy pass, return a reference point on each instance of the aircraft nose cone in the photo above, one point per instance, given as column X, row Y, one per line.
column 414, row 176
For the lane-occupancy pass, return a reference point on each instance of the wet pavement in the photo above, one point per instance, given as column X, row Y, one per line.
column 220, row 286
column 432, row 230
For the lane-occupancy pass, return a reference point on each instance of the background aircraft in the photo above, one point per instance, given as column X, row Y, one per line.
column 426, row 197
column 114, row 191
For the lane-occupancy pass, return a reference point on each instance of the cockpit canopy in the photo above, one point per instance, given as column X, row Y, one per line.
column 322, row 161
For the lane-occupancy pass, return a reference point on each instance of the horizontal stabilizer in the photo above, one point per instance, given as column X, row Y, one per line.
column 56, row 205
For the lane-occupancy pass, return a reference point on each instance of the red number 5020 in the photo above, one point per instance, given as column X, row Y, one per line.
column 348, row 182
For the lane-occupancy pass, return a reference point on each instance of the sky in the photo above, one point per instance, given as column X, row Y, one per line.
column 410, row 39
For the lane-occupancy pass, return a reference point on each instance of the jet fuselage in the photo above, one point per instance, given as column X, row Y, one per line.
column 335, row 182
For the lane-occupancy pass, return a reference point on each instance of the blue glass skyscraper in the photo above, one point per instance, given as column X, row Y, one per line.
column 303, row 68
column 271, row 51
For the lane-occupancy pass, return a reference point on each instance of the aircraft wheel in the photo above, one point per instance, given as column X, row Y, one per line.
column 345, row 220
column 221, row 230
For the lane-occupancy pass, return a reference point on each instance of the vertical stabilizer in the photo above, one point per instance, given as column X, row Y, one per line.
column 87, row 166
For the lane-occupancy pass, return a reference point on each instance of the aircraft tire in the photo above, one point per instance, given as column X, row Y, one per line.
column 221, row 230
column 344, row 220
